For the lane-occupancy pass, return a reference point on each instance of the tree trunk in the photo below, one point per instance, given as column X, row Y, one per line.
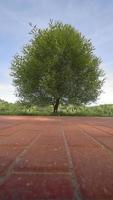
column 56, row 105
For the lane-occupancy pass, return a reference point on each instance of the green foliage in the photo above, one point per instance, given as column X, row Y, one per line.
column 19, row 108
column 58, row 65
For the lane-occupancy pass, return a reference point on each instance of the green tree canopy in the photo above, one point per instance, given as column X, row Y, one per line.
column 58, row 64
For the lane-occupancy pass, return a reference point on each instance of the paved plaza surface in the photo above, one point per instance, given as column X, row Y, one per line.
column 56, row 158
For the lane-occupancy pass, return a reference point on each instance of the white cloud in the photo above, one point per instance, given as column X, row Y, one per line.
column 7, row 93
column 107, row 96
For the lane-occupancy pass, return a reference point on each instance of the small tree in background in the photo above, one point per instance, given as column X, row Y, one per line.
column 57, row 65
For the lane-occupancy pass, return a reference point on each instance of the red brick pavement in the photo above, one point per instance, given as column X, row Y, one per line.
column 61, row 158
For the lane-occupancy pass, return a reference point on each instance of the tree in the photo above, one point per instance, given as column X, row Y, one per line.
column 57, row 65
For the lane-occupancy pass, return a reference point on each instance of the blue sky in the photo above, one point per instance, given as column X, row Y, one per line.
column 94, row 18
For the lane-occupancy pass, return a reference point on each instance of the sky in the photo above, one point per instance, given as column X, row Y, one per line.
column 93, row 18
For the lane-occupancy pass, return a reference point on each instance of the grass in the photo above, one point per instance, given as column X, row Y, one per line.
column 70, row 110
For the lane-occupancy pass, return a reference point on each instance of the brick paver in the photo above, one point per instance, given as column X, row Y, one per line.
column 33, row 187
column 61, row 158
column 7, row 155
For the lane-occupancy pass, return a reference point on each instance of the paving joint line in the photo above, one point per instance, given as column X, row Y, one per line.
column 40, row 173
column 18, row 145
column 109, row 151
column 110, row 134
column 3, row 135
column 17, row 159
column 10, row 126
column 77, row 194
